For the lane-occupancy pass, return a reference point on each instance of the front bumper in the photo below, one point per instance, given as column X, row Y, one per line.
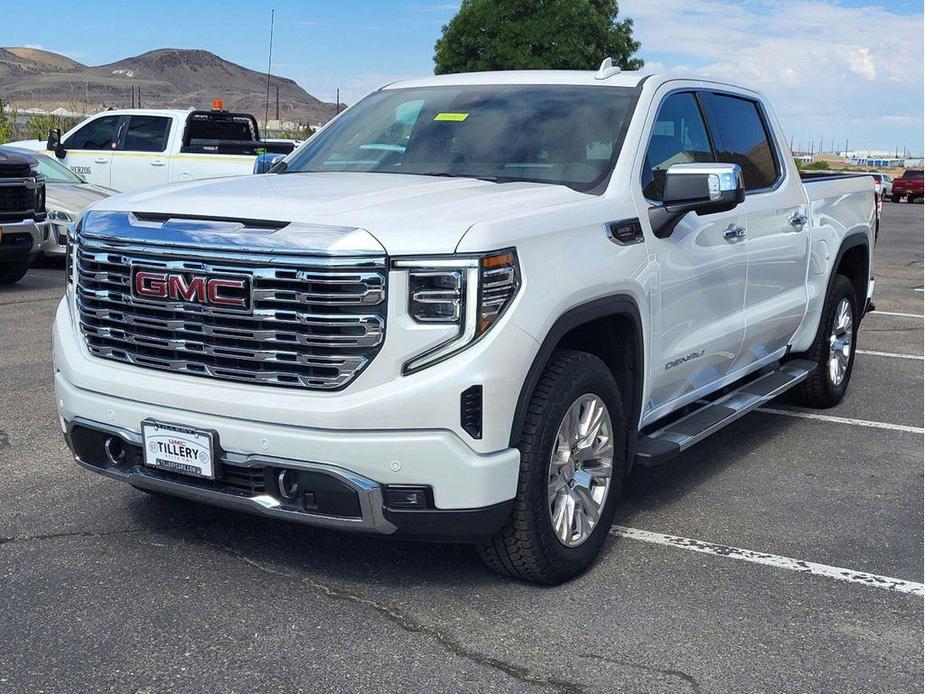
column 20, row 241
column 328, row 496
column 55, row 241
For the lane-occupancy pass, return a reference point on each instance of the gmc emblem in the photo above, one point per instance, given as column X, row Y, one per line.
column 223, row 291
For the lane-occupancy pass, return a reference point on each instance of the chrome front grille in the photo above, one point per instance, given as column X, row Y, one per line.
column 316, row 321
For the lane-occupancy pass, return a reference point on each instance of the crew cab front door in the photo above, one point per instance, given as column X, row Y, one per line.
column 88, row 150
column 698, row 311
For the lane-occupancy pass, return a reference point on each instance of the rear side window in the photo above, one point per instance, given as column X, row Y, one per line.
column 97, row 134
column 146, row 134
column 914, row 175
column 679, row 136
column 742, row 138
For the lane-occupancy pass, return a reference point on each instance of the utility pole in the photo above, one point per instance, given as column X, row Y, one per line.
column 337, row 106
column 277, row 102
column 791, row 143
column 845, row 153
column 266, row 115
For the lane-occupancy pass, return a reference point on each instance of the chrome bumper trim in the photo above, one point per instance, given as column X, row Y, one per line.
column 368, row 491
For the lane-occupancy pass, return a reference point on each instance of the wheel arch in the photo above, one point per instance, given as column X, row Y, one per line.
column 610, row 328
column 853, row 261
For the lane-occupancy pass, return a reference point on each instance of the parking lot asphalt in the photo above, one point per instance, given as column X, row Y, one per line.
column 103, row 588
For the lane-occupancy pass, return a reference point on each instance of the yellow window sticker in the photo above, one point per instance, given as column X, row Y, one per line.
column 455, row 117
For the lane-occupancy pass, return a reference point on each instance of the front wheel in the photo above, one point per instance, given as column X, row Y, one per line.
column 573, row 462
column 833, row 349
column 13, row 272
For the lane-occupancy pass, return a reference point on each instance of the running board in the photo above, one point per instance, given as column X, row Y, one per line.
column 665, row 443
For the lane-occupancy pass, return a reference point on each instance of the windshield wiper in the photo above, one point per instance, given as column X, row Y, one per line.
column 446, row 174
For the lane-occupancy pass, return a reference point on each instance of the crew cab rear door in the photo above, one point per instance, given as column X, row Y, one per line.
column 140, row 158
column 698, row 318
column 776, row 219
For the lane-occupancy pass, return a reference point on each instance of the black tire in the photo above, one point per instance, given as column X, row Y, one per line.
column 894, row 198
column 910, row 198
column 819, row 390
column 13, row 272
column 527, row 547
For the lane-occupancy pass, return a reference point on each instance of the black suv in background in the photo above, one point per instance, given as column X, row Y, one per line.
column 22, row 214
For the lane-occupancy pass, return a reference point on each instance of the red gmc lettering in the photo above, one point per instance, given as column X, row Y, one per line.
column 151, row 284
column 216, row 298
column 163, row 285
column 179, row 289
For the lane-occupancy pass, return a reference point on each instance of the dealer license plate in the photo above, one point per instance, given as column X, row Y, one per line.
column 179, row 449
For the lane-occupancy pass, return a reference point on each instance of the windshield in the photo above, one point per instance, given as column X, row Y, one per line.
column 550, row 134
column 53, row 172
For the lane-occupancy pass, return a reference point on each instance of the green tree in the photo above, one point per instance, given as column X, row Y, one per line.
column 535, row 35
column 6, row 127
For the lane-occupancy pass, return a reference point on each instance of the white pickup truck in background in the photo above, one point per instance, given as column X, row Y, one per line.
column 137, row 148
column 465, row 309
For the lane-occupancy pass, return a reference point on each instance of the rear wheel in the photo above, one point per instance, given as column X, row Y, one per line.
column 13, row 272
column 573, row 462
column 833, row 349
column 910, row 198
column 894, row 198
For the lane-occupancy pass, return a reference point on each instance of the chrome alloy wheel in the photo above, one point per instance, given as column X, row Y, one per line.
column 580, row 470
column 840, row 342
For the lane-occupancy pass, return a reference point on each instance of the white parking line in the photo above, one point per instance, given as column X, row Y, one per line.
column 894, row 355
column 843, row 420
column 897, row 585
column 878, row 312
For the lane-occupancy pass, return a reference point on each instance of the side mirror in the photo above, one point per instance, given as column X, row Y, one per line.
column 54, row 143
column 265, row 162
column 702, row 188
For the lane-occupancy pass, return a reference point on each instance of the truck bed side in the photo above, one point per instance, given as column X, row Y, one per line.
column 843, row 213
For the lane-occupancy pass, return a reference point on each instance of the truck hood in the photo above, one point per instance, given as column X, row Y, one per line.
column 406, row 214
column 73, row 197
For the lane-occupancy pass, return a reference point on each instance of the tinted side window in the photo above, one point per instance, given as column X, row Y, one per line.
column 146, row 134
column 678, row 137
column 97, row 134
column 743, row 139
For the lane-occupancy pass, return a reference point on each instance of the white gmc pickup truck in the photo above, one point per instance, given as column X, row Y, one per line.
column 465, row 309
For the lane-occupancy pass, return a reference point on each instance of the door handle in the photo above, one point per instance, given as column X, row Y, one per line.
column 157, row 162
column 101, row 160
column 798, row 220
column 734, row 233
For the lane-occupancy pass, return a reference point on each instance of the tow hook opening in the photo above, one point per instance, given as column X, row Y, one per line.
column 115, row 450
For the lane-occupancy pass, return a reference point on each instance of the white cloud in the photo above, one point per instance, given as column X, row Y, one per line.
column 829, row 70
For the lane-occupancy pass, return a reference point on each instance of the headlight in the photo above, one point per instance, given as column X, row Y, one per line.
column 468, row 292
column 59, row 216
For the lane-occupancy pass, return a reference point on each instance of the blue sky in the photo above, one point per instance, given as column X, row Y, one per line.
column 832, row 69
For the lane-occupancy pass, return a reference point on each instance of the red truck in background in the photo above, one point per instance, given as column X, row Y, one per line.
column 909, row 186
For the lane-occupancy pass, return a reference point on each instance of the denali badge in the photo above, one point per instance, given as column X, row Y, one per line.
column 680, row 360
column 224, row 291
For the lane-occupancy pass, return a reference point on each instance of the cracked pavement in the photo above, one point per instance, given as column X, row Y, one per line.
column 104, row 588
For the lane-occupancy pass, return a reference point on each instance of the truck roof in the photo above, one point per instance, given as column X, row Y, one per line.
column 176, row 112
column 597, row 78
column 629, row 78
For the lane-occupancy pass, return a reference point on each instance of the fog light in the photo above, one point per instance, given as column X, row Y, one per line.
column 407, row 497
